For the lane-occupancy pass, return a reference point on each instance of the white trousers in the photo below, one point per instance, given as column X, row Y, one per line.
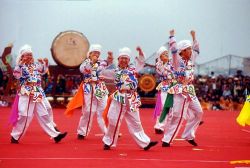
column 26, row 110
column 91, row 106
column 49, row 109
column 162, row 125
column 195, row 114
column 183, row 108
column 115, row 115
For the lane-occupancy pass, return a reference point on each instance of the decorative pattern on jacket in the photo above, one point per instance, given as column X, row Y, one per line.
column 30, row 80
column 185, row 73
column 92, row 78
column 126, row 84
column 165, row 72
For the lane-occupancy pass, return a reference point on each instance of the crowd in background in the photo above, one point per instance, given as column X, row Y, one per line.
column 222, row 93
column 214, row 92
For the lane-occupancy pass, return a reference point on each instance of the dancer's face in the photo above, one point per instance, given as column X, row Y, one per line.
column 94, row 56
column 186, row 53
column 27, row 58
column 123, row 61
column 164, row 57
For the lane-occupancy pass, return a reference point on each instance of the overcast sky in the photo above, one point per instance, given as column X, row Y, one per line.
column 222, row 26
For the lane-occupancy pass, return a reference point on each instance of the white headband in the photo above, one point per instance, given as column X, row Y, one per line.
column 183, row 44
column 124, row 52
column 160, row 51
column 24, row 49
column 95, row 47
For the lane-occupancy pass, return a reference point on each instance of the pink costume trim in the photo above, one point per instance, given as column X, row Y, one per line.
column 14, row 112
column 157, row 110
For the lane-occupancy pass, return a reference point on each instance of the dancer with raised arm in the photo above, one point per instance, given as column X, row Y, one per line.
column 125, row 102
column 184, row 101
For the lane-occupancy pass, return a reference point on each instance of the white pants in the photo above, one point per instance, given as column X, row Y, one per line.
column 26, row 110
column 49, row 109
column 91, row 106
column 183, row 108
column 115, row 115
column 162, row 125
column 195, row 114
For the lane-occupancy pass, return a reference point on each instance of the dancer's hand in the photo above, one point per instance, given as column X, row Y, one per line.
column 172, row 32
column 140, row 51
column 192, row 32
column 46, row 61
column 110, row 58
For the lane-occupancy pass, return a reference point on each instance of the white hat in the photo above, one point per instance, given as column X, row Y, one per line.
column 183, row 44
column 124, row 52
column 160, row 51
column 95, row 47
column 24, row 49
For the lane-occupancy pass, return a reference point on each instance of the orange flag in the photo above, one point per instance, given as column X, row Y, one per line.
column 105, row 112
column 77, row 101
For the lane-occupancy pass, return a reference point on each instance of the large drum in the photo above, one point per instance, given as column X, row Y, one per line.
column 147, row 82
column 69, row 49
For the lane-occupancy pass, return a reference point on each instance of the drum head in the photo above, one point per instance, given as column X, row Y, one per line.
column 69, row 49
column 147, row 83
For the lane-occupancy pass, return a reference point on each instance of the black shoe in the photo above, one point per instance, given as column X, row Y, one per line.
column 57, row 129
column 80, row 137
column 165, row 144
column 192, row 142
column 14, row 141
column 158, row 131
column 106, row 147
column 60, row 137
column 202, row 122
column 151, row 144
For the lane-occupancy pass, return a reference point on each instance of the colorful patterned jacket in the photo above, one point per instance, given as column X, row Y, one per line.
column 184, row 73
column 126, row 84
column 30, row 80
column 92, row 78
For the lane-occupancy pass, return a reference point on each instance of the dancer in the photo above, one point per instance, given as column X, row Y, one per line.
column 184, row 99
column 29, row 101
column 93, row 92
column 165, row 70
column 125, row 102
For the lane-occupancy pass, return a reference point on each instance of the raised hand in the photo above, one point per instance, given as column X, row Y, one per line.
column 110, row 57
column 46, row 61
column 140, row 51
column 40, row 60
column 10, row 45
column 172, row 32
column 110, row 53
column 192, row 32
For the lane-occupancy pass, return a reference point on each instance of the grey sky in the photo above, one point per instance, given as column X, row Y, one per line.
column 222, row 26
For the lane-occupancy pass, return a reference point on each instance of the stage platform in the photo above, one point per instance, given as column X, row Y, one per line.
column 221, row 144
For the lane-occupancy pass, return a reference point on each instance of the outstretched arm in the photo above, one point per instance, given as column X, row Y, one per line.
column 196, row 48
column 174, row 49
column 140, row 60
column 7, row 51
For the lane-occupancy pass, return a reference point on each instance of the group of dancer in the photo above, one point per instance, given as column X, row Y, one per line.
column 176, row 100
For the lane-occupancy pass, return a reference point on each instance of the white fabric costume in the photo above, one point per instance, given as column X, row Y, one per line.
column 31, row 97
column 95, row 94
column 186, row 104
column 125, row 103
